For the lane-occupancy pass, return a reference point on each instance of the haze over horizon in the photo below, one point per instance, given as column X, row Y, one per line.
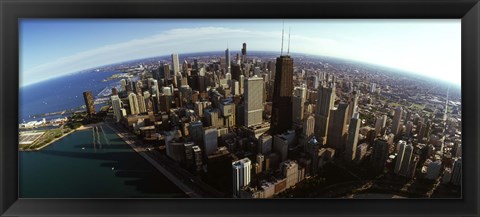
column 51, row 48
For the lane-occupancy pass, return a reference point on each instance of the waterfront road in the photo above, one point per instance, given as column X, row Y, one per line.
column 187, row 182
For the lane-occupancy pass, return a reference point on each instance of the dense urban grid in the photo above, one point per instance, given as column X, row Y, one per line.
column 260, row 126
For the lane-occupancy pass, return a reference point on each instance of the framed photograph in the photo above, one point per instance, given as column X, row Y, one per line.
column 222, row 108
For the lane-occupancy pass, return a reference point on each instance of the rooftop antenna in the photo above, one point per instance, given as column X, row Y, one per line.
column 288, row 52
column 283, row 25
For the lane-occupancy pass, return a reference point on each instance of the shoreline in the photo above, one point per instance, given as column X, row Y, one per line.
column 83, row 127
column 175, row 180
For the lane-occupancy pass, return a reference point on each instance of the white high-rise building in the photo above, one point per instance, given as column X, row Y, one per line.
column 298, row 102
column 176, row 64
column 241, row 172
column 133, row 102
column 117, row 107
column 253, row 101
column 155, row 88
column 308, row 126
column 242, row 84
column 141, row 104
column 235, row 87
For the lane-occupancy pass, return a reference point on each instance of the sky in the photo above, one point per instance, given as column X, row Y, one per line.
column 54, row 47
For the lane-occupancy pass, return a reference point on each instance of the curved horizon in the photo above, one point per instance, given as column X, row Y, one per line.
column 398, row 70
column 58, row 47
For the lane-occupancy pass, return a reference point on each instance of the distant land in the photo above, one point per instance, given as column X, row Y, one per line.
column 273, row 54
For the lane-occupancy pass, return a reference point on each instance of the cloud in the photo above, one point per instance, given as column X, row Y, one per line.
column 188, row 40
column 175, row 40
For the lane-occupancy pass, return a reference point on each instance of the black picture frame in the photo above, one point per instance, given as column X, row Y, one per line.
column 11, row 10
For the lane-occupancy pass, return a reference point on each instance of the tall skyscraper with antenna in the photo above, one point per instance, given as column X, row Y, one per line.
column 282, row 94
column 227, row 59
column 244, row 53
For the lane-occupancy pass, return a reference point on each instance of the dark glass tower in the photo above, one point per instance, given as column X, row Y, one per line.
column 244, row 53
column 236, row 72
column 89, row 102
column 282, row 95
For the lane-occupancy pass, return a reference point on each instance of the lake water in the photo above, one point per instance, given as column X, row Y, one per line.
column 73, row 167
column 61, row 93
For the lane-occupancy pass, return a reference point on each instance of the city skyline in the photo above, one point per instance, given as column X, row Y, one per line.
column 247, row 128
column 427, row 47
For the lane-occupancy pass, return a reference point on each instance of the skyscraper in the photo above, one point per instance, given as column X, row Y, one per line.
column 114, row 91
column 298, row 101
column 282, row 95
column 129, row 86
column 166, row 71
column 116, row 106
column 195, row 130
column 260, row 160
column 379, row 155
column 408, row 128
column 138, row 86
column 253, row 101
column 457, row 172
column 406, row 161
column 352, row 140
column 133, row 103
column 337, row 127
column 308, row 126
column 397, row 118
column 123, row 84
column 227, row 60
column 241, row 170
column 325, row 101
column 197, row 153
column 352, row 105
column 89, row 103
column 176, row 64
column 155, row 88
column 235, row 71
column 380, row 124
column 142, row 108
column 244, row 53
column 210, row 136
column 400, row 152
